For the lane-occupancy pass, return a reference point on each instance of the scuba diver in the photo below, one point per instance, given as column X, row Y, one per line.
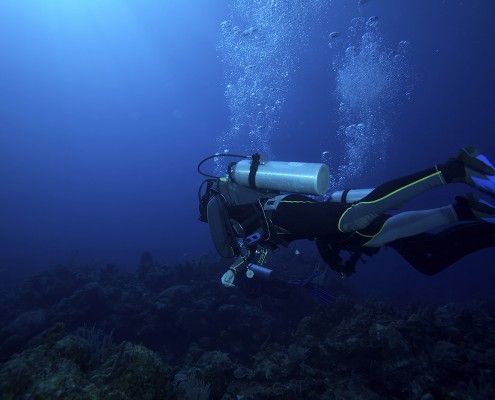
column 261, row 205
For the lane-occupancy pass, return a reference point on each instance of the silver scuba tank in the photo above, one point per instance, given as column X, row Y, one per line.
column 297, row 177
column 349, row 196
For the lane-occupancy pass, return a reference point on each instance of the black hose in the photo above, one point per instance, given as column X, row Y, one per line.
column 214, row 156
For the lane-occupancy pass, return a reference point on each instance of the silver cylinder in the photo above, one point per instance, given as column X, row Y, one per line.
column 297, row 177
column 352, row 195
column 261, row 272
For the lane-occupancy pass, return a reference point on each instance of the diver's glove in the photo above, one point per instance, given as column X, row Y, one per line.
column 228, row 278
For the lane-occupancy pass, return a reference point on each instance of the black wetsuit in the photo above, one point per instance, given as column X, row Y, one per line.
column 301, row 217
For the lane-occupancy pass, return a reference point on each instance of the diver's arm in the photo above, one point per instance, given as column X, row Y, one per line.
column 241, row 263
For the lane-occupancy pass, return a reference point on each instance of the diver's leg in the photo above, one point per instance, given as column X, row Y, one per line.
column 410, row 223
column 432, row 253
column 469, row 166
column 388, row 196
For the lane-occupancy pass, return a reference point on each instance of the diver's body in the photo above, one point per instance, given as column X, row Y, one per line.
column 364, row 227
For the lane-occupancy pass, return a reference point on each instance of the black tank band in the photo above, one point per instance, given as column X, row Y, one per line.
column 252, row 171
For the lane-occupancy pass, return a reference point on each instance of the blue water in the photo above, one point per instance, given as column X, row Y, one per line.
column 106, row 108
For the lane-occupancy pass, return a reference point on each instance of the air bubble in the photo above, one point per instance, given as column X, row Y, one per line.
column 371, row 80
column 259, row 55
column 249, row 31
column 372, row 21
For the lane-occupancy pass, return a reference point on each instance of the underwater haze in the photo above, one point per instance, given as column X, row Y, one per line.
column 106, row 108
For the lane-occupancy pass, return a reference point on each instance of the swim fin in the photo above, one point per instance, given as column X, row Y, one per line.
column 471, row 207
column 479, row 172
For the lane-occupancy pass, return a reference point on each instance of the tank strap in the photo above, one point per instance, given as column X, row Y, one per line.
column 343, row 199
column 273, row 203
column 252, row 171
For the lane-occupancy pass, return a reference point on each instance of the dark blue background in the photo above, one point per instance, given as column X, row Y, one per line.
column 106, row 108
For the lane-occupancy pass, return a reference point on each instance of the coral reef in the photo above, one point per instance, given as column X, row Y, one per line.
column 170, row 332
column 61, row 372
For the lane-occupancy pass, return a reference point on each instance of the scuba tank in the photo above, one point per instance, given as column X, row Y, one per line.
column 349, row 195
column 297, row 177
